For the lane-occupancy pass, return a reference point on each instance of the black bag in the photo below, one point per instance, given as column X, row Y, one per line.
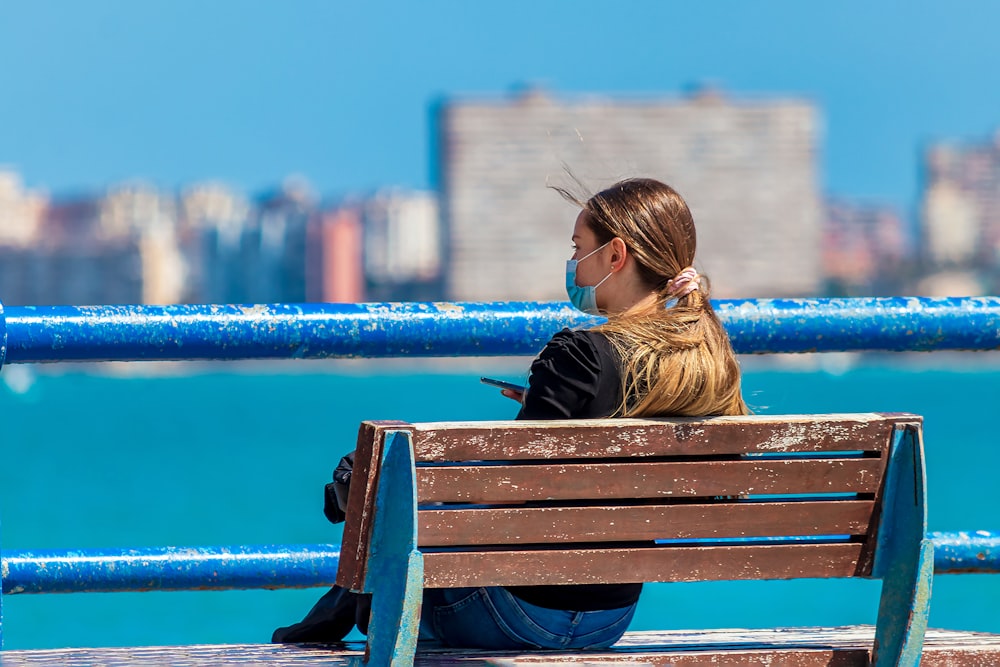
column 336, row 492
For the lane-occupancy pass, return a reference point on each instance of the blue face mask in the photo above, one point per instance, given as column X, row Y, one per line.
column 583, row 298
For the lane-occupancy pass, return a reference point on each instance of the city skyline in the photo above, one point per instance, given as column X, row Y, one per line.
column 248, row 93
column 210, row 242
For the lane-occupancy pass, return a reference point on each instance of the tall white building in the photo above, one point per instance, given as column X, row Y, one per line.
column 141, row 212
column 21, row 211
column 961, row 206
column 402, row 245
column 747, row 168
column 951, row 225
column 402, row 236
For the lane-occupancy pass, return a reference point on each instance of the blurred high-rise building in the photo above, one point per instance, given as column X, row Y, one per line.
column 960, row 216
column 217, row 207
column 402, row 246
column 214, row 218
column 150, row 216
column 866, row 249
column 334, row 248
column 21, row 211
column 747, row 168
column 248, row 251
column 274, row 245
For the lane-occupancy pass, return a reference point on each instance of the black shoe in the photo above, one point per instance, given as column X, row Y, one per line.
column 330, row 619
column 363, row 612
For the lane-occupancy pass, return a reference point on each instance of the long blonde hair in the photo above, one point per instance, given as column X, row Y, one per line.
column 676, row 357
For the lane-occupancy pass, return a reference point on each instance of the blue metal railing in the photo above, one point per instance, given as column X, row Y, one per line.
column 169, row 568
column 964, row 552
column 310, row 331
column 297, row 566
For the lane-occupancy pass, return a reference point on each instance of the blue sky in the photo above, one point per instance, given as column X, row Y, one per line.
column 247, row 92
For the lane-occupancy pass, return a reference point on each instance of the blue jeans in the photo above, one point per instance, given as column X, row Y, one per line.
column 493, row 618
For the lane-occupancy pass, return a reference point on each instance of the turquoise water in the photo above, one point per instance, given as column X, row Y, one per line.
column 230, row 458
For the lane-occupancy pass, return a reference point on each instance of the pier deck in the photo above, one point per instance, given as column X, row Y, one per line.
column 805, row 647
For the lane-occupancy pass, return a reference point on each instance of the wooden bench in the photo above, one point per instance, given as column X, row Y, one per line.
column 615, row 501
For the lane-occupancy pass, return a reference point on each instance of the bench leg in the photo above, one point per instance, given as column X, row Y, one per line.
column 395, row 574
column 395, row 620
column 904, row 558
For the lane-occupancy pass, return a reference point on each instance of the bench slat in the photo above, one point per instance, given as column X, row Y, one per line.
column 640, row 564
column 540, row 525
column 518, row 483
column 611, row 438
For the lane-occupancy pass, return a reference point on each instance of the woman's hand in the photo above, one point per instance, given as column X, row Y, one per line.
column 513, row 395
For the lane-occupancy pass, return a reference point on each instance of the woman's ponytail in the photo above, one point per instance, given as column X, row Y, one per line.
column 676, row 357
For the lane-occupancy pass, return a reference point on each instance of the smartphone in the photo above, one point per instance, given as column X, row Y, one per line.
column 503, row 385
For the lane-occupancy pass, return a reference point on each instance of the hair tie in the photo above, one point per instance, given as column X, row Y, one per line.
column 684, row 283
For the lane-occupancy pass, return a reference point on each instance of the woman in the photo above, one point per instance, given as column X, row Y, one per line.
column 662, row 352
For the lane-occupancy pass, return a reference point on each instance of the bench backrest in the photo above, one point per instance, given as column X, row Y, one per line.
column 612, row 501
